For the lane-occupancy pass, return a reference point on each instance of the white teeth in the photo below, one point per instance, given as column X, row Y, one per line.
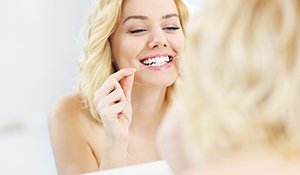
column 157, row 61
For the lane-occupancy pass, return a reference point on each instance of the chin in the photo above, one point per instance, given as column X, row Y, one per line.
column 159, row 80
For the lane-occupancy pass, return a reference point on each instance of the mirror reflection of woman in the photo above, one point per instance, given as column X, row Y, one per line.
column 127, row 75
column 239, row 101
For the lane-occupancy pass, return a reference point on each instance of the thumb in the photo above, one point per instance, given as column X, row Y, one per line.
column 126, row 84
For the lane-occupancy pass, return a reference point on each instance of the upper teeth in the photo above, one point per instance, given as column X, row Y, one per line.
column 156, row 60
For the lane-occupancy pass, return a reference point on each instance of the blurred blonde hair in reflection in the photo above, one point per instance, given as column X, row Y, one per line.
column 241, row 85
column 96, row 65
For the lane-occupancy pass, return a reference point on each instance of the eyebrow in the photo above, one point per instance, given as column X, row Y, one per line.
column 135, row 17
column 170, row 16
column 145, row 17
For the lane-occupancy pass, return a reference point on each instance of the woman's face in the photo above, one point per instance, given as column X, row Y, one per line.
column 149, row 37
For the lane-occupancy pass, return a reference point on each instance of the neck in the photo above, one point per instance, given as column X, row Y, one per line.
column 148, row 106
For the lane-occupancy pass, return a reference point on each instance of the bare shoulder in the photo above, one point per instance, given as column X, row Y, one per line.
column 67, row 106
column 69, row 114
column 73, row 136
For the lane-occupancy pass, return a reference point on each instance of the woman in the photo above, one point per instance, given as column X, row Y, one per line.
column 128, row 72
column 240, row 91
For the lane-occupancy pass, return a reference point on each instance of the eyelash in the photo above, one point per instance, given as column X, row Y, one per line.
column 171, row 28
column 139, row 31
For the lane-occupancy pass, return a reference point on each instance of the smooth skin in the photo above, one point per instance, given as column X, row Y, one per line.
column 131, row 102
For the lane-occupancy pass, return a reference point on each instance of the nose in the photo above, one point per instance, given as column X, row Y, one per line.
column 157, row 39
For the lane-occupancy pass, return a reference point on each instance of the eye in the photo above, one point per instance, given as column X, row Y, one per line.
column 137, row 31
column 170, row 29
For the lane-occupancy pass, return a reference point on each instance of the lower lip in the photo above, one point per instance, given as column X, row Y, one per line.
column 161, row 68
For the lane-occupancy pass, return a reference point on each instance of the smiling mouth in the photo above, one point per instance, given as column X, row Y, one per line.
column 157, row 61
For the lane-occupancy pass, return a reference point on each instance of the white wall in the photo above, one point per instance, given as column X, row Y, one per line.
column 40, row 42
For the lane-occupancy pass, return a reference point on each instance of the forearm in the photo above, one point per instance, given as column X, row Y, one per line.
column 114, row 156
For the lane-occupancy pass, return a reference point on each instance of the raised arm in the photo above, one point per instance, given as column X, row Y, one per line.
column 112, row 101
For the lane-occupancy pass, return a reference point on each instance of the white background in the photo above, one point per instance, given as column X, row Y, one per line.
column 40, row 43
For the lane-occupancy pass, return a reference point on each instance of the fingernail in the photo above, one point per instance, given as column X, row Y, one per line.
column 131, row 70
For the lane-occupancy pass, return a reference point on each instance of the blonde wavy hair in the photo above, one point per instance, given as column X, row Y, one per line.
column 96, row 65
column 241, row 78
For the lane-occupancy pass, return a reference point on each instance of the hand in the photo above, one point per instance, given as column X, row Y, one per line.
column 112, row 102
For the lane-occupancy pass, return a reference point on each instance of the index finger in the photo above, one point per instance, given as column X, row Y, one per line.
column 123, row 73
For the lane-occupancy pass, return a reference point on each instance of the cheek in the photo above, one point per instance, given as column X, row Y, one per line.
column 178, row 43
column 126, row 52
column 121, row 46
column 129, row 46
